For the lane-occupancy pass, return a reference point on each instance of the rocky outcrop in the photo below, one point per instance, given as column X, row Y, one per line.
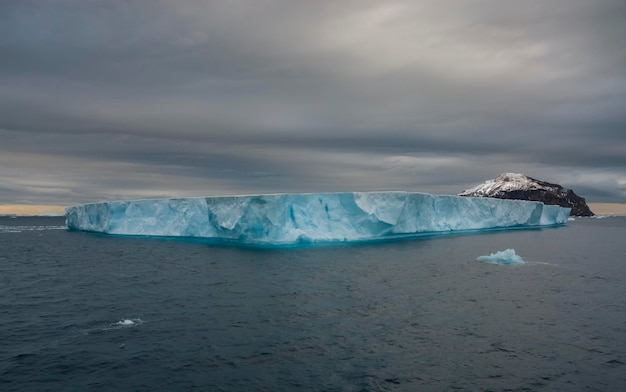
column 521, row 187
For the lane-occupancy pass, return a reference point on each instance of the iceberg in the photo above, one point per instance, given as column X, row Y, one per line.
column 285, row 219
column 507, row 256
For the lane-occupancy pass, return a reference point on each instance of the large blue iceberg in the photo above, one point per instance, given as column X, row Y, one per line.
column 283, row 219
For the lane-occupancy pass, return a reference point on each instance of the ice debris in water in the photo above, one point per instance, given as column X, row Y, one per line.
column 324, row 217
column 128, row 322
column 507, row 256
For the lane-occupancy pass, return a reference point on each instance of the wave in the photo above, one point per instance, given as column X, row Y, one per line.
column 124, row 323
column 19, row 229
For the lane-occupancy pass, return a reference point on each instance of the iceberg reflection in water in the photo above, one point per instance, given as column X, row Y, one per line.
column 284, row 219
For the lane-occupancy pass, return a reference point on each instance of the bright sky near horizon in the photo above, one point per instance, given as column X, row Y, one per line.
column 17, row 209
column 155, row 98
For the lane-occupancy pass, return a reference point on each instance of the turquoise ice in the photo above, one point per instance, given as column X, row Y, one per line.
column 283, row 219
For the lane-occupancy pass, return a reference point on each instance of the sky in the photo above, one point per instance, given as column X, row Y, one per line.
column 122, row 99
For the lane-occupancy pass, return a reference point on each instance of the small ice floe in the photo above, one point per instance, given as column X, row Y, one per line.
column 129, row 322
column 121, row 324
column 502, row 257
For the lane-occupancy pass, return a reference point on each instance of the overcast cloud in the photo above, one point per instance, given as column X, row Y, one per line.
column 131, row 99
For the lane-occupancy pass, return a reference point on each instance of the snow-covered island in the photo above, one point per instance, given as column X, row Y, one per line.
column 285, row 219
column 518, row 186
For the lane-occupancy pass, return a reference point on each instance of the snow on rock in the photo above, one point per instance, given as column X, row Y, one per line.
column 521, row 187
column 281, row 219
column 507, row 182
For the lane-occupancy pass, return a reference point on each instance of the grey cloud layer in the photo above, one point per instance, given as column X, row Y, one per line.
column 143, row 98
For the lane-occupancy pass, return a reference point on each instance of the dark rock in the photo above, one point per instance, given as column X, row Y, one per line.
column 520, row 187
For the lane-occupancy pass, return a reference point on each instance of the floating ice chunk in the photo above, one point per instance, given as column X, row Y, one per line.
column 284, row 219
column 119, row 325
column 507, row 256
column 128, row 322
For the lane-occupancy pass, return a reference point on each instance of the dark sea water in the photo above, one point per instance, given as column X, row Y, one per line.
column 87, row 312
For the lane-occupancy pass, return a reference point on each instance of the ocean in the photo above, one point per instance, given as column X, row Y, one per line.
column 89, row 312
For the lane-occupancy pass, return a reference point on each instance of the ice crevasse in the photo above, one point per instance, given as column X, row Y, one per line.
column 283, row 219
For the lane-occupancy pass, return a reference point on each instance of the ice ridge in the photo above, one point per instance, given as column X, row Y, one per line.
column 283, row 219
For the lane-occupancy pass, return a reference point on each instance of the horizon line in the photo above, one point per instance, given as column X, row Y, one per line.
column 59, row 210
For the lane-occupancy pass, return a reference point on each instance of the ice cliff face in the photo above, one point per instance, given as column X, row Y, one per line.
column 520, row 187
column 299, row 218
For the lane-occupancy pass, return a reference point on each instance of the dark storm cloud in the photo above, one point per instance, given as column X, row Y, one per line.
column 107, row 99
